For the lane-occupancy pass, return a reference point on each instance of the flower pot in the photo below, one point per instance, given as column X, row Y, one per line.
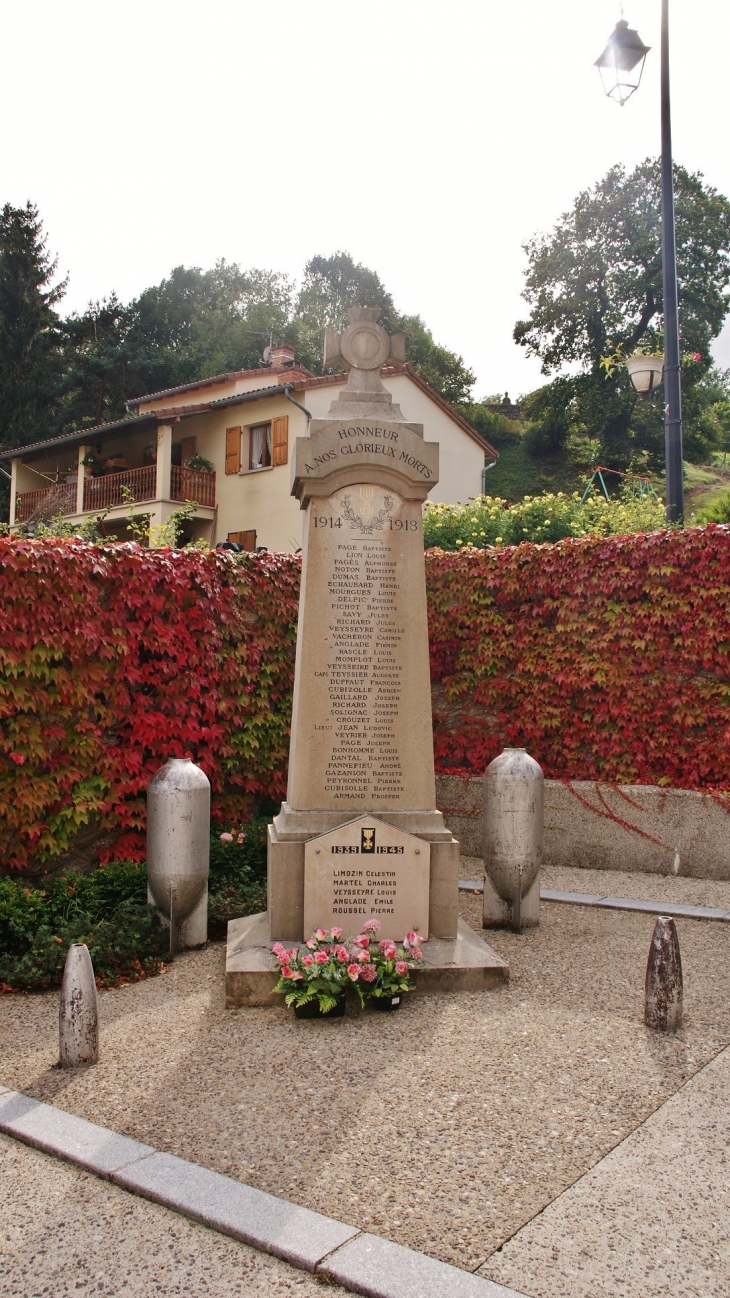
column 312, row 1011
column 387, row 1003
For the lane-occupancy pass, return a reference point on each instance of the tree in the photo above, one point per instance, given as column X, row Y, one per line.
column 594, row 285
column 331, row 285
column 29, row 326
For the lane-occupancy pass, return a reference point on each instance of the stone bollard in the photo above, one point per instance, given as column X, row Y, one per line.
column 78, row 1010
column 178, row 850
column 663, row 986
column 513, row 840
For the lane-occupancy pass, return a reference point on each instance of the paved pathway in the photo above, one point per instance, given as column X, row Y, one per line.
column 650, row 1220
column 65, row 1232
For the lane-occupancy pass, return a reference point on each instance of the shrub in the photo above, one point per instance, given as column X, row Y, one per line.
column 489, row 520
column 108, row 910
column 717, row 513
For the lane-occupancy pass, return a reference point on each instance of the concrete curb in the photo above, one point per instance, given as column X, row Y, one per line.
column 360, row 1262
column 675, row 909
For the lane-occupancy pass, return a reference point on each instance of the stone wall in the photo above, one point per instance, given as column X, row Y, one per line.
column 607, row 827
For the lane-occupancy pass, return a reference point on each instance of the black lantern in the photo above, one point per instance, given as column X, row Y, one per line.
column 622, row 63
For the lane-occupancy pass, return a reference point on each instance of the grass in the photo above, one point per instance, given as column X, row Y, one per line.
column 518, row 474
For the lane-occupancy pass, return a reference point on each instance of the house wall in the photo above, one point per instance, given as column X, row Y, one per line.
column 259, row 500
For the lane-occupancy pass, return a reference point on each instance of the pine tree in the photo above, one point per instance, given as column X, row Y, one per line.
column 29, row 339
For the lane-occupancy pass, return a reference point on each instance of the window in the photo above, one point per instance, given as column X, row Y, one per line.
column 259, row 446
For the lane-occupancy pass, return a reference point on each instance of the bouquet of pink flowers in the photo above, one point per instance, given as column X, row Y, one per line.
column 326, row 966
column 386, row 966
column 322, row 969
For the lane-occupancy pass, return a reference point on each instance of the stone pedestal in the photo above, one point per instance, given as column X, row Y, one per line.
column 464, row 963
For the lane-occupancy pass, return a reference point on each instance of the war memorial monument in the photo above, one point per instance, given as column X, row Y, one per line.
column 359, row 835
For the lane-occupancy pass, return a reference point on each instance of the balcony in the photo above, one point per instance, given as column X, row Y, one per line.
column 112, row 490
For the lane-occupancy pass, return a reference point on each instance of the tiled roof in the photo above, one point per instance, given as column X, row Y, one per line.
column 80, row 435
column 283, row 371
column 161, row 413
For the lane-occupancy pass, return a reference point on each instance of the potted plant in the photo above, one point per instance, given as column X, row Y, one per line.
column 314, row 978
column 387, row 967
column 199, row 462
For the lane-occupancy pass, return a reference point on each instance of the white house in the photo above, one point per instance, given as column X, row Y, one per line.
column 243, row 425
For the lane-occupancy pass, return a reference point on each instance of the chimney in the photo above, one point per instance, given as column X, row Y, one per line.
column 281, row 356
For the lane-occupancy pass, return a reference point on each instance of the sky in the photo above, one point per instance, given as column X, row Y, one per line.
column 428, row 140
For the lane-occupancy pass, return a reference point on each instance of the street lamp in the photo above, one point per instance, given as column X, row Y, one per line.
column 624, row 55
column 620, row 80
column 645, row 372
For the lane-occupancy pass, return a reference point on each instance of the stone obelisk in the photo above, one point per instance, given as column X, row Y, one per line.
column 361, row 742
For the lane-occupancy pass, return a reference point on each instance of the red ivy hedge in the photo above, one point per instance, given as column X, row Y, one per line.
column 114, row 658
column 608, row 658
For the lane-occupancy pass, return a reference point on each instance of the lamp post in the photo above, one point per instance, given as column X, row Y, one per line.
column 621, row 65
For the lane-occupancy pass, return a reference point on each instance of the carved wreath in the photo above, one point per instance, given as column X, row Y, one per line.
column 372, row 524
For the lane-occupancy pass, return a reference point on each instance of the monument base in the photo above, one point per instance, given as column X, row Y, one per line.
column 498, row 913
column 461, row 964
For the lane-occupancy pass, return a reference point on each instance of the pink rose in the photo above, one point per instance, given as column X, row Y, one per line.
column 363, row 956
column 320, row 957
column 336, row 932
column 307, row 960
column 341, row 953
column 362, row 939
column 286, row 972
column 371, row 926
column 388, row 949
column 312, row 944
column 401, row 968
column 226, row 838
column 277, row 948
column 369, row 973
column 295, row 975
column 353, row 972
column 321, row 934
column 411, row 939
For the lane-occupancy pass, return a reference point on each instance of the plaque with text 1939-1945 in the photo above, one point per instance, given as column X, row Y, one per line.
column 367, row 870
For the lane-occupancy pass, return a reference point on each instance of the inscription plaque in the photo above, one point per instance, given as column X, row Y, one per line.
column 367, row 870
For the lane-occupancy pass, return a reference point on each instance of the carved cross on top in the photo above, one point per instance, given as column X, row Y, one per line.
column 363, row 343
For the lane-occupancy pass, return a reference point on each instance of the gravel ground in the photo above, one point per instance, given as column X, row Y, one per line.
column 65, row 1232
column 446, row 1126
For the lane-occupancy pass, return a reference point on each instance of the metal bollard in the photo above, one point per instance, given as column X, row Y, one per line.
column 663, row 989
column 78, row 1010
column 178, row 850
column 513, row 840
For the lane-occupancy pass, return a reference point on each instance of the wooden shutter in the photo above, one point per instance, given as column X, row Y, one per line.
column 188, row 448
column 246, row 539
column 280, row 440
column 233, row 449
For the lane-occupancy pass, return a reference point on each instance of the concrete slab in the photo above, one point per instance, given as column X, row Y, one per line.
column 274, row 1225
column 675, row 909
column 56, row 1132
column 463, row 963
column 381, row 1269
column 652, row 1218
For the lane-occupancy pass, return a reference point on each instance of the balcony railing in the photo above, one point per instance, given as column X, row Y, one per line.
column 120, row 488
column 60, row 499
column 126, row 487
column 196, row 485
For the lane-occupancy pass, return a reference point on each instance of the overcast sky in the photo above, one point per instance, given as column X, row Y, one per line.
column 429, row 140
